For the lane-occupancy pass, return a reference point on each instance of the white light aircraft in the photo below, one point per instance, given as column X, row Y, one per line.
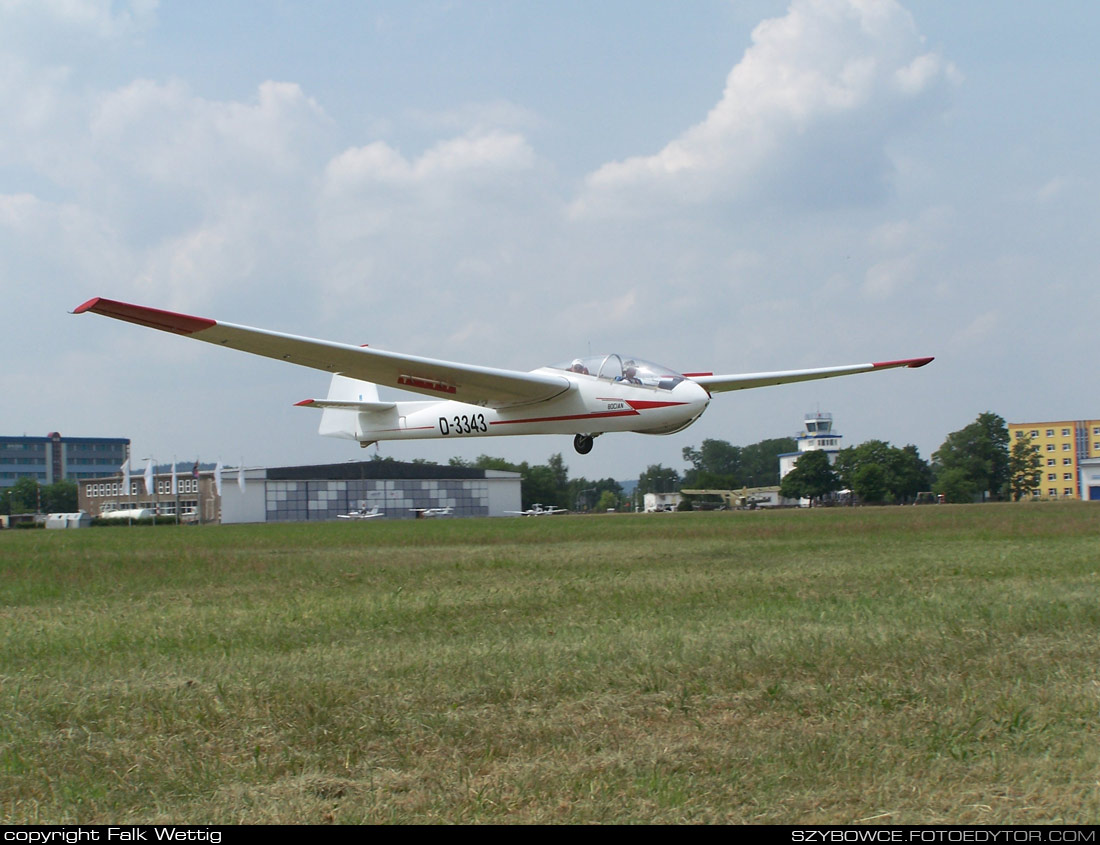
column 432, row 513
column 363, row 512
column 585, row 397
column 539, row 510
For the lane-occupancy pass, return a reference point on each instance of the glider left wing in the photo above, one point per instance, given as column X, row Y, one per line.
column 721, row 384
column 475, row 385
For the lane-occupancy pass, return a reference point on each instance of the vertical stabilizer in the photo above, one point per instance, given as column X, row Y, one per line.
column 340, row 422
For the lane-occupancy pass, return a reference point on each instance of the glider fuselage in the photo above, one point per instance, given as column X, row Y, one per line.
column 590, row 406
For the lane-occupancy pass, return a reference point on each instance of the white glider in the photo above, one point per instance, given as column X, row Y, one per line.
column 585, row 397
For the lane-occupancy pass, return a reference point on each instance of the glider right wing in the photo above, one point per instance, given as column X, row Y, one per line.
column 487, row 386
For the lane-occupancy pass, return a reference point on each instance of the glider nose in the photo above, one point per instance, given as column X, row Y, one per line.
column 693, row 392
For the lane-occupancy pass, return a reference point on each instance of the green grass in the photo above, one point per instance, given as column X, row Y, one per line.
column 901, row 665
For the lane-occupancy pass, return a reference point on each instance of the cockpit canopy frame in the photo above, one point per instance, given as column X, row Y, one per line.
column 627, row 369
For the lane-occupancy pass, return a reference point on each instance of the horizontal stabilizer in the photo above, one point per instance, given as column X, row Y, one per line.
column 346, row 405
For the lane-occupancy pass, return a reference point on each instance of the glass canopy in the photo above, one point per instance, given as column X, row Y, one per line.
column 623, row 368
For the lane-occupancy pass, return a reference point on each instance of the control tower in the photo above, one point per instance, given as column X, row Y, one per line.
column 817, row 434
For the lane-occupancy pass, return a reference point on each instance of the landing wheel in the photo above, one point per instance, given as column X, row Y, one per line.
column 583, row 443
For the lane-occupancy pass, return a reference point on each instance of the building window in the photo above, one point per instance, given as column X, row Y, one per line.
column 1052, row 476
column 1050, row 447
column 1065, row 447
column 1067, row 476
column 1051, row 462
column 1067, row 462
column 1053, row 492
column 1035, row 432
column 1065, row 432
column 1050, row 432
column 1069, row 491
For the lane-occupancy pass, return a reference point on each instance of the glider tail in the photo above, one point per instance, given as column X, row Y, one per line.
column 345, row 422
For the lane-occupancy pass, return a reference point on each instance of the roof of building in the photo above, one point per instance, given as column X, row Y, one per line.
column 374, row 470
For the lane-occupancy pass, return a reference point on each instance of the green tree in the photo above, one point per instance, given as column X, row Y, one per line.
column 902, row 473
column 956, row 486
column 760, row 461
column 978, row 453
column 559, row 472
column 22, row 497
column 718, row 464
column 658, row 479
column 869, row 483
column 909, row 474
column 608, row 501
column 60, row 497
column 1025, row 468
column 714, row 464
column 812, row 478
column 584, row 493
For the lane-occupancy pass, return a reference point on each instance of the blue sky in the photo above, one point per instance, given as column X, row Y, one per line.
column 725, row 186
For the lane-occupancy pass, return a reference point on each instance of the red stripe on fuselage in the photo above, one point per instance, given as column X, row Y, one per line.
column 635, row 408
column 646, row 405
column 630, row 413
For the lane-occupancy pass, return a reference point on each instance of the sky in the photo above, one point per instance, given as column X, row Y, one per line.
column 715, row 186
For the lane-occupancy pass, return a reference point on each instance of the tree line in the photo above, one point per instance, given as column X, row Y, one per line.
column 974, row 463
column 27, row 496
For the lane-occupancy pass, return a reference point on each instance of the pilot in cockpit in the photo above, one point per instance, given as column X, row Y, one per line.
column 579, row 367
column 630, row 373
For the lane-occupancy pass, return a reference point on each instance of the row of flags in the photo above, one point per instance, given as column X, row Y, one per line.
column 148, row 476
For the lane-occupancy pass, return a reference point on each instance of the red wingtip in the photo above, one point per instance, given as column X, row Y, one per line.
column 154, row 318
column 911, row 363
column 86, row 306
column 304, row 403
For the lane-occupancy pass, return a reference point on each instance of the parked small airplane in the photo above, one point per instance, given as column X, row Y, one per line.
column 362, row 513
column 539, row 510
column 585, row 397
column 431, row 513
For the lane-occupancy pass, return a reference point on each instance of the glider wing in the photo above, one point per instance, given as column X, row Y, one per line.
column 722, row 383
column 475, row 385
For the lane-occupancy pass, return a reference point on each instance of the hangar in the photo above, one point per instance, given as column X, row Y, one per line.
column 317, row 493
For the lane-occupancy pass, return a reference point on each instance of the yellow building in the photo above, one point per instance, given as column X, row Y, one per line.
column 1062, row 445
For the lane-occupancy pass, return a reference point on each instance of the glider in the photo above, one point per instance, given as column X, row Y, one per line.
column 539, row 510
column 585, row 397
column 362, row 512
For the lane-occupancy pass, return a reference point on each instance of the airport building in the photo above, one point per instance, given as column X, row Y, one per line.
column 1090, row 479
column 313, row 493
column 54, row 458
column 817, row 435
column 195, row 495
column 1064, row 447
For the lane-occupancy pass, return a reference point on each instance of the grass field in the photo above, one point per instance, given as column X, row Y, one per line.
column 893, row 665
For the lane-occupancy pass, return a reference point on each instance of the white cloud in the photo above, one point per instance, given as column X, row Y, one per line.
column 484, row 153
column 164, row 133
column 101, row 18
column 805, row 116
column 885, row 278
column 439, row 226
